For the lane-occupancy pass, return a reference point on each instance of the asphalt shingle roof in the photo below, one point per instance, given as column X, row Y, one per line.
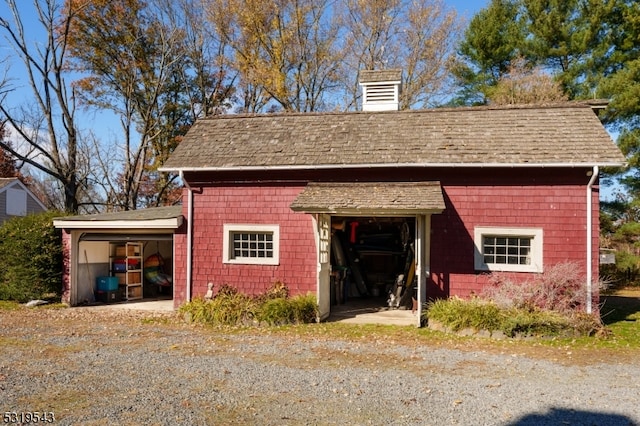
column 564, row 134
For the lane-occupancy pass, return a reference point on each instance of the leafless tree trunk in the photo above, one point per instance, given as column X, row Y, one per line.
column 48, row 128
column 130, row 57
column 369, row 29
column 428, row 48
column 156, row 67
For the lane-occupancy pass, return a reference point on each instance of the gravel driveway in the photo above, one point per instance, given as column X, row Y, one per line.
column 92, row 366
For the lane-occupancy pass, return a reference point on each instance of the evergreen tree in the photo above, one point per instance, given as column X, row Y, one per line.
column 575, row 41
column 592, row 49
column 571, row 39
column 494, row 38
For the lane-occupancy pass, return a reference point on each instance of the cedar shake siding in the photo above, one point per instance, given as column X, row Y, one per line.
column 560, row 211
column 66, row 266
column 477, row 197
column 248, row 204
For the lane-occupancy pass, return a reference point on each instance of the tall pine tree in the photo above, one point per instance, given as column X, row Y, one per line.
column 494, row 39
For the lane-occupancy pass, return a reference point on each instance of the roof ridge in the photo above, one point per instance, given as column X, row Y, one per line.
column 591, row 103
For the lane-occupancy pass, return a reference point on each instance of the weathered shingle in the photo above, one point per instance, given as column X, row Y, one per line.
column 544, row 135
column 374, row 76
column 152, row 213
column 381, row 197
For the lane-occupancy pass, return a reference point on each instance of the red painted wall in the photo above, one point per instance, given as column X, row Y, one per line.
column 242, row 204
column 559, row 210
column 552, row 199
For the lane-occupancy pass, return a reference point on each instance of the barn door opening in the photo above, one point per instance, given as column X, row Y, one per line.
column 373, row 262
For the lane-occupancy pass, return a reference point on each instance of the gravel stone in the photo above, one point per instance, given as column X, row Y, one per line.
column 98, row 367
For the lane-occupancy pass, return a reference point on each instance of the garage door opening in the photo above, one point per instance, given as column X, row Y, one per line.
column 100, row 246
column 121, row 270
column 373, row 263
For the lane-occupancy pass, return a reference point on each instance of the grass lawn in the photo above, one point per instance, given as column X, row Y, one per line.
column 620, row 314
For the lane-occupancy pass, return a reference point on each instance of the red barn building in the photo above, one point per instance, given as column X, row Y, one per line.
column 345, row 205
column 359, row 198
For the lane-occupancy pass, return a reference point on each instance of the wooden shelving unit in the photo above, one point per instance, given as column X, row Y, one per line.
column 126, row 264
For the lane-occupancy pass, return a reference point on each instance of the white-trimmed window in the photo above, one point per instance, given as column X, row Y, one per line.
column 508, row 249
column 251, row 244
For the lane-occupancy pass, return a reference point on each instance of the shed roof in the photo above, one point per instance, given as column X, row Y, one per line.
column 158, row 217
column 567, row 134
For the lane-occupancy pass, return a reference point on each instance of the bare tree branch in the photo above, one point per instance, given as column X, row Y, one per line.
column 56, row 154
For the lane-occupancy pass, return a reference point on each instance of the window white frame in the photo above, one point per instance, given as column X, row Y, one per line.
column 534, row 234
column 228, row 253
column 16, row 202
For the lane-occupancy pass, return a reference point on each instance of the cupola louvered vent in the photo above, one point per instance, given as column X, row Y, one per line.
column 380, row 89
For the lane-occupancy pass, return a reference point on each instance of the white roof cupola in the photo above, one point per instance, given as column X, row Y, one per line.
column 380, row 89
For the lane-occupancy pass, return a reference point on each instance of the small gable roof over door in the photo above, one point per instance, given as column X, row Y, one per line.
column 371, row 198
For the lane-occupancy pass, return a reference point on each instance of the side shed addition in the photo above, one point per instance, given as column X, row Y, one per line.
column 132, row 251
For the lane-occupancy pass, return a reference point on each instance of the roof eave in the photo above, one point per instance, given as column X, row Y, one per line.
column 393, row 165
column 381, row 82
column 171, row 223
column 368, row 212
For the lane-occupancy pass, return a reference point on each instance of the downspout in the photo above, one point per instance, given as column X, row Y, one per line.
column 189, row 235
column 594, row 175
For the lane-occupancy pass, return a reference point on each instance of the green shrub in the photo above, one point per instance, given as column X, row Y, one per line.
column 278, row 290
column 523, row 322
column 295, row 310
column 30, row 258
column 197, row 310
column 457, row 314
column 275, row 312
column 230, row 307
column 305, row 308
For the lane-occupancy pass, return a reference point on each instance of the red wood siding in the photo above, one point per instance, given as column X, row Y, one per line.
column 559, row 210
column 253, row 205
column 551, row 199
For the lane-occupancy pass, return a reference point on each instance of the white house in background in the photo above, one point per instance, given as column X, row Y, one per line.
column 17, row 200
